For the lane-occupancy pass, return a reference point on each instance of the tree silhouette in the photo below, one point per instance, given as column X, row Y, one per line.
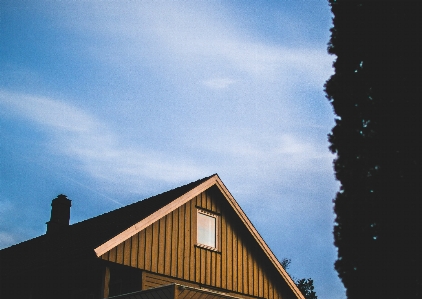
column 376, row 92
column 305, row 285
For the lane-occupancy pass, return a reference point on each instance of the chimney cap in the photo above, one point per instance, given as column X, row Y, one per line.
column 61, row 198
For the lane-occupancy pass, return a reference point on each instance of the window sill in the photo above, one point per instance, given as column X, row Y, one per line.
column 207, row 247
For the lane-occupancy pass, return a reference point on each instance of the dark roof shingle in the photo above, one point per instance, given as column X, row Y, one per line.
column 81, row 238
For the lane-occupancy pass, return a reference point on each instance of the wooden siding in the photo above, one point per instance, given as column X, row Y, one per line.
column 168, row 247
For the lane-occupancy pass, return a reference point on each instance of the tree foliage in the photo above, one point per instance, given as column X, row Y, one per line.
column 285, row 263
column 376, row 92
column 305, row 285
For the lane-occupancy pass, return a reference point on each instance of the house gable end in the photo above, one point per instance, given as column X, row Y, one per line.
column 166, row 244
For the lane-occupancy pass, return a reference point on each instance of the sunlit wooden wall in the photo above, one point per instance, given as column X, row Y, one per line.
column 168, row 247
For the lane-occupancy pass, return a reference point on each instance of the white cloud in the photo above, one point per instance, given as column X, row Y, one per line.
column 189, row 42
column 183, row 35
column 283, row 151
column 237, row 151
column 219, row 83
column 78, row 135
column 51, row 113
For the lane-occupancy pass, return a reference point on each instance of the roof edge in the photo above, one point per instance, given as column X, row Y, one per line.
column 137, row 227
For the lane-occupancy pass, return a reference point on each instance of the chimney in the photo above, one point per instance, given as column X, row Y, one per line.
column 60, row 214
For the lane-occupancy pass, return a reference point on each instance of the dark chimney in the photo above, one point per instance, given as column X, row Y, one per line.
column 60, row 214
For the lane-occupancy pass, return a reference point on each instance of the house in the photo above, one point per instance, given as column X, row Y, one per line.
column 190, row 242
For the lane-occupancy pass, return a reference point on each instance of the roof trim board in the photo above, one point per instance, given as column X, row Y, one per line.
column 147, row 221
column 213, row 180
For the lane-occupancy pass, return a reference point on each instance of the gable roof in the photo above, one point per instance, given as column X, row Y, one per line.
column 103, row 232
column 180, row 199
column 79, row 239
column 103, row 228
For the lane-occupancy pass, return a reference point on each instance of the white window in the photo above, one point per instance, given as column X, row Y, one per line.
column 207, row 229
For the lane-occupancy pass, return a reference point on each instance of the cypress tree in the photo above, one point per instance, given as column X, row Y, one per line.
column 376, row 94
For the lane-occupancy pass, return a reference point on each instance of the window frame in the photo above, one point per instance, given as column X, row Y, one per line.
column 217, row 229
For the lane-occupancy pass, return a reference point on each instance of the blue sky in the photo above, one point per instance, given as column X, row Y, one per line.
column 110, row 102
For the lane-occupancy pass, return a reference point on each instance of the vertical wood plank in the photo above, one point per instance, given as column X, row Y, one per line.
column 239, row 265
column 168, row 261
column 148, row 245
column 193, row 240
column 207, row 266
column 218, row 270
column 143, row 280
column 105, row 283
column 234, row 262
column 141, row 249
column 265, row 285
column 181, row 245
column 230, row 258
column 218, row 203
column 203, row 200
column 134, row 253
column 255, row 274
column 245, row 274
column 208, row 200
column 223, row 252
column 113, row 253
column 120, row 248
column 212, row 200
column 213, row 268
column 199, row 200
column 197, row 265
column 174, row 242
column 161, row 244
column 126, row 251
column 154, row 246
column 203, row 266
column 250, row 271
column 260, row 282
column 187, row 246
column 270, row 290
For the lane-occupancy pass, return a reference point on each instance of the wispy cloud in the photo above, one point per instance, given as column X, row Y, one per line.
column 219, row 83
column 81, row 136
column 200, row 48
column 45, row 111
column 103, row 155
column 200, row 39
column 284, row 158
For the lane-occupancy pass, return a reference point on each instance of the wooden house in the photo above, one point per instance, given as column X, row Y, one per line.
column 192, row 242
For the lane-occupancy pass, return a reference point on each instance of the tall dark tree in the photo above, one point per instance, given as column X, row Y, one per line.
column 376, row 93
